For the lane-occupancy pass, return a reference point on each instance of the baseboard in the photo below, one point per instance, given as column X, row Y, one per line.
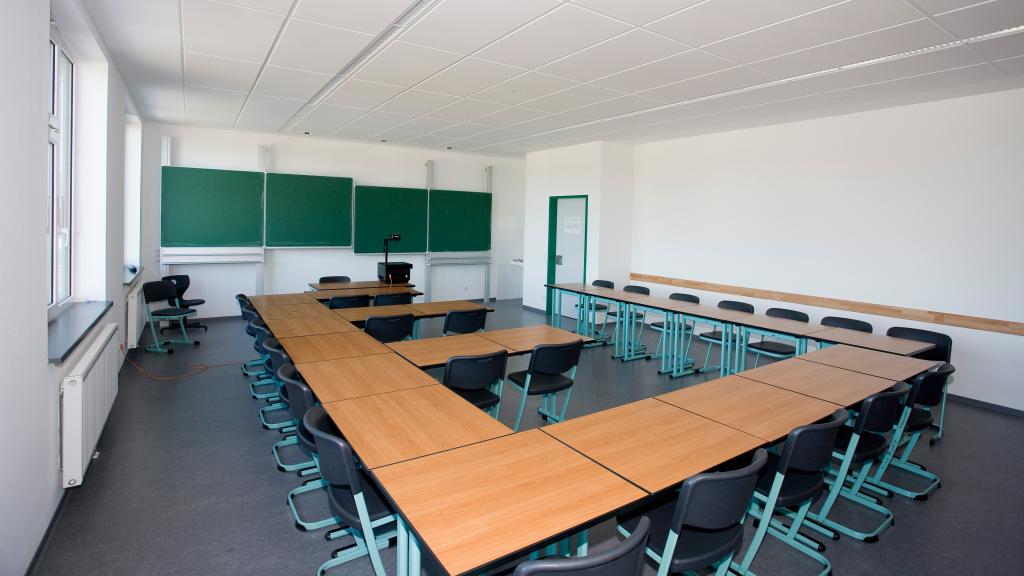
column 46, row 535
column 987, row 405
column 532, row 309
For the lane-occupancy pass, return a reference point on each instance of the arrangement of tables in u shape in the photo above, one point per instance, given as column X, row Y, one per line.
column 465, row 485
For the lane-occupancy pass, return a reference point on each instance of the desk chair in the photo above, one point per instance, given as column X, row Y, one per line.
column 624, row 559
column 390, row 328
column 546, row 377
column 771, row 348
column 478, row 379
column 266, row 377
column 703, row 524
column 163, row 290
column 943, row 352
column 599, row 306
column 358, row 301
column 714, row 338
column 334, row 279
column 359, row 509
column 181, row 284
column 659, row 326
column 464, row 321
column 249, row 367
column 794, row 479
column 392, row 299
column 278, row 358
column 848, row 323
column 617, row 313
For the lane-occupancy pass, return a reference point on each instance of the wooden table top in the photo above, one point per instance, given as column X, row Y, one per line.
column 432, row 352
column 580, row 288
column 332, row 346
column 328, row 294
column 522, row 340
column 345, row 378
column 308, row 326
column 294, row 311
column 508, row 493
column 653, row 444
column 362, row 313
column 428, row 309
column 873, row 362
column 397, row 426
column 821, row 381
column 781, row 325
column 715, row 313
column 357, row 285
column 262, row 301
column 767, row 412
column 880, row 342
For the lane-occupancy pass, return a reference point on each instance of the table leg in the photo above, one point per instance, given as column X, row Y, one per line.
column 402, row 564
column 415, row 568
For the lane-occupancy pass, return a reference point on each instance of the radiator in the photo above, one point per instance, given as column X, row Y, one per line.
column 135, row 322
column 86, row 395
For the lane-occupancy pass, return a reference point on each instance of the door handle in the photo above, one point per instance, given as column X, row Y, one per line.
column 558, row 259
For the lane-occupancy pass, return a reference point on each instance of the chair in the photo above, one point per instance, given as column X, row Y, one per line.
column 848, row 323
column 599, row 306
column 392, row 299
column 334, row 279
column 181, row 284
column 478, row 379
column 164, row 290
column 464, row 321
column 774, row 349
column 624, row 559
column 634, row 290
column 714, row 338
column 390, row 328
column 546, row 377
column 278, row 358
column 659, row 326
column 260, row 333
column 357, row 301
column 794, row 479
column 248, row 315
column 359, row 509
column 926, row 393
column 703, row 525
column 943, row 352
column 861, row 445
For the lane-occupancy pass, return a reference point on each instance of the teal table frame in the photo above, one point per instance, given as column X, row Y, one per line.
column 799, row 343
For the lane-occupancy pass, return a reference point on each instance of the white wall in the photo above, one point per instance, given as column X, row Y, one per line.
column 289, row 270
column 914, row 206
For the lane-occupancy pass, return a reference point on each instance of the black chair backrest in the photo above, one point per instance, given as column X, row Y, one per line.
column 392, row 299
column 718, row 500
column 181, row 283
column 943, row 351
column 554, row 359
column 926, row 389
column 278, row 357
column 242, row 299
column 788, row 314
column 333, row 279
column 848, row 323
column 337, row 464
column 390, row 328
column 475, row 372
column 624, row 559
column 300, row 396
column 683, row 297
column 159, row 290
column 809, row 448
column 261, row 333
column 738, row 306
column 637, row 289
column 879, row 412
column 358, row 301
column 465, row 321
column 603, row 283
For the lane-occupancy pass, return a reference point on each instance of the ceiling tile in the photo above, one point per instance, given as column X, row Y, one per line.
column 465, row 109
column 428, row 141
column 719, row 19
column 637, row 12
column 672, row 69
column 209, row 107
column 896, row 40
column 465, row 26
column 834, row 23
column 336, row 116
column 545, row 123
column 266, row 113
column 934, row 7
column 574, row 97
column 395, row 136
column 747, row 98
column 220, row 73
column 313, row 128
column 417, row 102
column 317, row 48
column 228, row 31
column 557, row 34
column 381, row 120
column 1014, row 66
column 403, row 64
column 370, row 17
column 288, row 83
column 355, row 133
column 468, row 76
column 608, row 108
column 984, row 18
column 724, row 81
column 509, row 116
column 615, row 55
column 275, row 6
column 424, row 125
column 461, row 131
column 944, row 80
column 526, row 87
column 911, row 66
column 362, row 94
column 1003, row 47
column 503, row 134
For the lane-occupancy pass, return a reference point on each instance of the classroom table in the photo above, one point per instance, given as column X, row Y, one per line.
column 324, row 295
column 653, row 444
column 332, row 346
column 357, row 285
column 263, row 301
column 768, row 412
column 363, row 312
column 345, row 378
column 821, row 381
column 879, row 342
column 881, row 364
column 476, row 505
column 308, row 326
column 294, row 311
column 525, row 339
column 443, row 307
column 434, row 352
column 396, row 426
column 772, row 327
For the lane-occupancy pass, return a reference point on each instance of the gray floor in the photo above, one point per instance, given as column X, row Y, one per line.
column 185, row 482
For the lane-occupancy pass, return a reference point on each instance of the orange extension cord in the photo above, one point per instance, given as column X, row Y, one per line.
column 193, row 369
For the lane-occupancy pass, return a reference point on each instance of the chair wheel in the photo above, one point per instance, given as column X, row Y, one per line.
column 195, row 343
column 300, row 527
column 281, row 469
column 921, row 497
column 871, row 539
column 170, row 351
column 835, row 536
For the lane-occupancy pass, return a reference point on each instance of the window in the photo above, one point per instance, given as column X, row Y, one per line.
column 58, row 236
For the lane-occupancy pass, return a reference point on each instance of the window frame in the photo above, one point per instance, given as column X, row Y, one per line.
column 61, row 179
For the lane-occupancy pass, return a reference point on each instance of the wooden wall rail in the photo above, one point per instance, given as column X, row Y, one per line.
column 973, row 322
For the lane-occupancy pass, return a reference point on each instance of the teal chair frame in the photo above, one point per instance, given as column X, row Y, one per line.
column 549, row 407
column 158, row 344
column 361, row 534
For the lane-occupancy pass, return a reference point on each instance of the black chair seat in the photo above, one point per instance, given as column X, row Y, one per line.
column 796, row 488
column 616, row 313
column 343, row 504
column 541, row 383
column 481, row 398
column 659, row 325
column 869, row 447
column 188, row 303
column 306, row 441
column 773, row 347
column 172, row 312
column 920, row 419
column 715, row 336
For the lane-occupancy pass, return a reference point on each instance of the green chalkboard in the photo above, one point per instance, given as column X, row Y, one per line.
column 201, row 207
column 459, row 221
column 308, row 210
column 383, row 211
